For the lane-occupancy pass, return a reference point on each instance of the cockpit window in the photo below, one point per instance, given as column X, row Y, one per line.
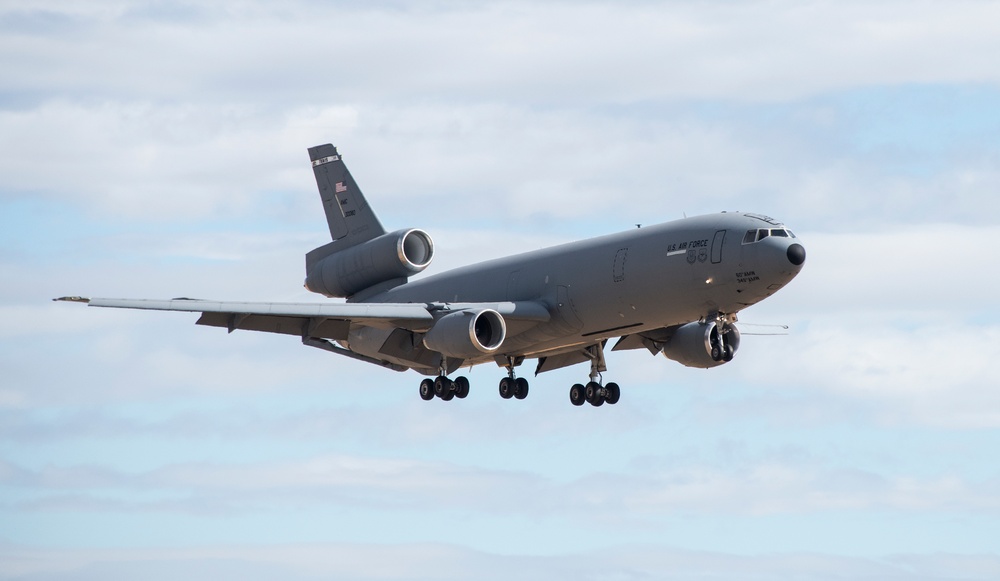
column 761, row 233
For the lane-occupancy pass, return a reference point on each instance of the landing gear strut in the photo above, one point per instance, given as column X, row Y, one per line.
column 594, row 393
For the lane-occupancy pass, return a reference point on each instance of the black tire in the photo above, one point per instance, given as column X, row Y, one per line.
column 443, row 386
column 427, row 389
column 614, row 393
column 577, row 394
column 716, row 353
column 593, row 393
column 727, row 353
column 520, row 388
column 506, row 388
column 461, row 387
column 448, row 395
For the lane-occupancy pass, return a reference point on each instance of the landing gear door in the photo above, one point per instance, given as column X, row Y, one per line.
column 717, row 242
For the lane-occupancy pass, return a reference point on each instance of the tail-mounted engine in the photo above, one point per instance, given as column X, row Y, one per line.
column 703, row 344
column 390, row 257
column 467, row 334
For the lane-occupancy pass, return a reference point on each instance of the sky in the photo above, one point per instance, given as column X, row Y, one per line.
column 158, row 149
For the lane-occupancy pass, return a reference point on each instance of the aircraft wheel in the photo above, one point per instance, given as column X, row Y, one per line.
column 442, row 387
column 520, row 388
column 593, row 394
column 614, row 393
column 506, row 388
column 577, row 394
column 716, row 353
column 727, row 353
column 461, row 387
column 427, row 389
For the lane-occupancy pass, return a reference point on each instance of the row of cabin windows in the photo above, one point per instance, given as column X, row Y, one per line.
column 762, row 233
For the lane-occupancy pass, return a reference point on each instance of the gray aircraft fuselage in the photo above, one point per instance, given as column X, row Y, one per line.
column 630, row 282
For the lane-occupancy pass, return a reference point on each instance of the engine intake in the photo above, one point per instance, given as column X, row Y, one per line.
column 702, row 345
column 393, row 256
column 466, row 334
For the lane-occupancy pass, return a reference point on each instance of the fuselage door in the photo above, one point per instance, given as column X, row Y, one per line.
column 720, row 237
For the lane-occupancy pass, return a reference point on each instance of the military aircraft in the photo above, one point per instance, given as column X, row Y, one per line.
column 674, row 288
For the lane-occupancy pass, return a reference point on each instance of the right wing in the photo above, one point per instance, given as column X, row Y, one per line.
column 322, row 320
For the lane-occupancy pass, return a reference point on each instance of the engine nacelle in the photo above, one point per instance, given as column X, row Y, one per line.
column 466, row 334
column 396, row 255
column 701, row 345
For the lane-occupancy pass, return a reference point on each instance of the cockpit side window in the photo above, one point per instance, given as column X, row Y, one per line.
column 762, row 234
column 751, row 236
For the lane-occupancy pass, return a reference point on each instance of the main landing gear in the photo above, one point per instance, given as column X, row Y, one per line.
column 444, row 388
column 594, row 393
column 513, row 386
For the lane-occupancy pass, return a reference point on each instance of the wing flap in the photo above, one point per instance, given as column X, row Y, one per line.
column 336, row 329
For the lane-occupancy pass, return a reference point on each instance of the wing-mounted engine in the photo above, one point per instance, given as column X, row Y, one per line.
column 467, row 334
column 701, row 344
column 389, row 258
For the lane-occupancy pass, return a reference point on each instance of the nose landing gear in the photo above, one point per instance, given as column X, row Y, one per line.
column 721, row 338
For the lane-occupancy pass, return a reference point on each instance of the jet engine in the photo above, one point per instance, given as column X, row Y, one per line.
column 467, row 334
column 702, row 345
column 392, row 256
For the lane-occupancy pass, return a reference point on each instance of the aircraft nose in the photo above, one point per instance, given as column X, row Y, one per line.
column 796, row 254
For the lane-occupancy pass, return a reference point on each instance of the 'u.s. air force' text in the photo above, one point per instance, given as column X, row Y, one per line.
column 681, row 246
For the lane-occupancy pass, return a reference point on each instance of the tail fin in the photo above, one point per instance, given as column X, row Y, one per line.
column 351, row 219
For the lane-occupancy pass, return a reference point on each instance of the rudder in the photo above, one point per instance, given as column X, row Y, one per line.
column 350, row 218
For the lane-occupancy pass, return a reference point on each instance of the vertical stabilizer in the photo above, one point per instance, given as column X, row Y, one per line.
column 348, row 214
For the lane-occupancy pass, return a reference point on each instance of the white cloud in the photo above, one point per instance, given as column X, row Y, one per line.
column 441, row 561
column 751, row 487
column 538, row 51
column 929, row 373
